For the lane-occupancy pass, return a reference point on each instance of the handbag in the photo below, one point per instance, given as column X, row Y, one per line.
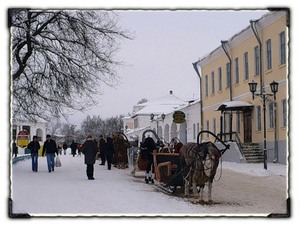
column 57, row 162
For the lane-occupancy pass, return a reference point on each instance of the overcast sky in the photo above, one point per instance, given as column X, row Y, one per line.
column 160, row 56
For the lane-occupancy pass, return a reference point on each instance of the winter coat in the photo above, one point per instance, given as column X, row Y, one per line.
column 102, row 143
column 89, row 149
column 109, row 148
column 49, row 147
column 147, row 147
column 34, row 146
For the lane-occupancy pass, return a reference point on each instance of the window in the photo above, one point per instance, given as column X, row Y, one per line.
column 207, row 127
column 237, row 75
column 27, row 128
column 271, row 115
column 282, row 47
column 206, row 85
column 246, row 66
column 238, row 122
column 212, row 82
column 256, row 61
column 215, row 126
column 228, row 72
column 194, row 131
column 220, row 78
column 284, row 112
column 258, row 117
column 269, row 54
column 198, row 128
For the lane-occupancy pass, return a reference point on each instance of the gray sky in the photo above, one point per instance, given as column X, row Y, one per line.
column 160, row 57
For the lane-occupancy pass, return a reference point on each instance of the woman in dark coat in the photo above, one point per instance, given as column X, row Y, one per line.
column 147, row 148
column 89, row 149
column 109, row 151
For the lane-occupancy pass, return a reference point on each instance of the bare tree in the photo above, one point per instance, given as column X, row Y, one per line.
column 143, row 100
column 60, row 58
column 97, row 126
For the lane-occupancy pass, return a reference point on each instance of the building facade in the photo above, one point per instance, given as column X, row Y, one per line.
column 157, row 115
column 33, row 129
column 258, row 53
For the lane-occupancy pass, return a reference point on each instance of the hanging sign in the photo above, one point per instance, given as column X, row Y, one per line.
column 22, row 138
column 178, row 117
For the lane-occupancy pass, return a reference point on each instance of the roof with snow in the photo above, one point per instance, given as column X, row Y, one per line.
column 164, row 104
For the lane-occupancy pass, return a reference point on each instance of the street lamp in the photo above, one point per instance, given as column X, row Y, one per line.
column 263, row 95
column 163, row 116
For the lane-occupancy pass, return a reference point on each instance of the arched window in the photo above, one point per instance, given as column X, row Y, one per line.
column 39, row 133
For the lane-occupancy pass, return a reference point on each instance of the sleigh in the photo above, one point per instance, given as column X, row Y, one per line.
column 168, row 171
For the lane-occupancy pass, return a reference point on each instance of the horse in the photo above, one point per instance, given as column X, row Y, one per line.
column 120, row 146
column 199, row 165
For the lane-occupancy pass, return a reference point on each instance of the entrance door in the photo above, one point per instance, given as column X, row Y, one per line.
column 248, row 126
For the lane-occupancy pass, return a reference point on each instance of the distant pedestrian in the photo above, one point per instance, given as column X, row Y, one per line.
column 34, row 147
column 89, row 149
column 65, row 147
column 109, row 151
column 102, row 143
column 15, row 149
column 50, row 148
column 73, row 148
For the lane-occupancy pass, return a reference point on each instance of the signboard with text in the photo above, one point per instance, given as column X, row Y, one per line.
column 178, row 117
column 23, row 138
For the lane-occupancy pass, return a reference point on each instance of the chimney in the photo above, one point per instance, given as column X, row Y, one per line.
column 171, row 92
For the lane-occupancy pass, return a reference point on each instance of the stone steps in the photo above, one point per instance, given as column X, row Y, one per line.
column 252, row 153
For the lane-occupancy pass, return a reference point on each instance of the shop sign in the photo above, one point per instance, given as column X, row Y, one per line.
column 178, row 117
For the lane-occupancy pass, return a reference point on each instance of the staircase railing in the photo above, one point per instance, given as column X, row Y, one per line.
column 231, row 136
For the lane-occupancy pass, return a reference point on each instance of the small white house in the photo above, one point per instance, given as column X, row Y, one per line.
column 157, row 115
column 33, row 129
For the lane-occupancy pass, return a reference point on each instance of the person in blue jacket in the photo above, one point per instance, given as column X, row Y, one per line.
column 34, row 147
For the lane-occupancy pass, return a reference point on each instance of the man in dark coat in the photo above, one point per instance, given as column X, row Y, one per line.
column 73, row 148
column 34, row 147
column 89, row 149
column 102, row 143
column 147, row 148
column 109, row 152
column 50, row 148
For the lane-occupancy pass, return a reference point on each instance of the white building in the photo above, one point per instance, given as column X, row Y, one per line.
column 33, row 129
column 162, row 110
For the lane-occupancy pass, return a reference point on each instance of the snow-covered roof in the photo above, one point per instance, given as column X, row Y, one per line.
column 164, row 104
column 233, row 105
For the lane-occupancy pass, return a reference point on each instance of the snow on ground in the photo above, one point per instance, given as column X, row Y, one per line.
column 242, row 190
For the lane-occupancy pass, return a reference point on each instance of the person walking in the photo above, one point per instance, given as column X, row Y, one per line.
column 73, row 148
column 147, row 148
column 50, row 148
column 15, row 149
column 109, row 151
column 34, row 147
column 102, row 143
column 65, row 147
column 89, row 149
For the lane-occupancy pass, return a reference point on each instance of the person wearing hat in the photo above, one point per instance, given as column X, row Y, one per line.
column 89, row 149
column 34, row 147
column 50, row 148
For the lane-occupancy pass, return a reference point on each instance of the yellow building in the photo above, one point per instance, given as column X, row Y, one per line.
column 258, row 53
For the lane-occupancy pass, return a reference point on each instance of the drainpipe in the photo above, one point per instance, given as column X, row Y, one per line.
column 254, row 29
column 275, row 134
column 201, row 104
column 230, row 84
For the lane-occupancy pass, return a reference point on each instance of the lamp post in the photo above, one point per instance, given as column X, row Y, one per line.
column 263, row 95
column 163, row 116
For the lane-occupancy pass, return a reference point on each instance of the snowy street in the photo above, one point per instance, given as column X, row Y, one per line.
column 242, row 190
